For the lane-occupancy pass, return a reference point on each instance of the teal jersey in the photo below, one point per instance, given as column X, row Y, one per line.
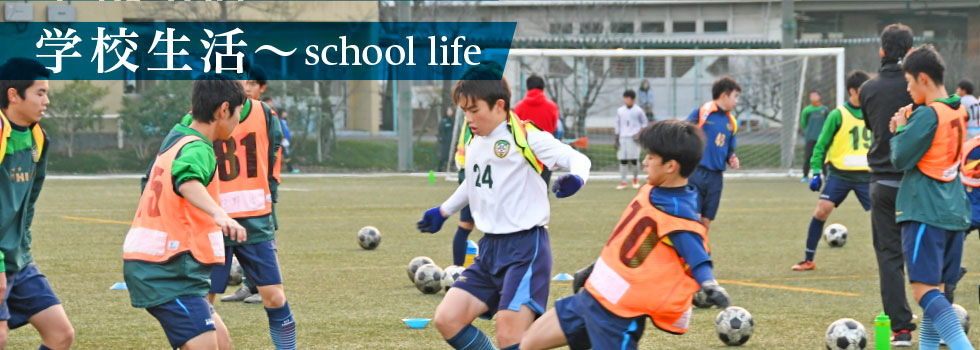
column 20, row 185
column 811, row 121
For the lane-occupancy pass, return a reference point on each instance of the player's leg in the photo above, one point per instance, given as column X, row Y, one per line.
column 833, row 194
column 925, row 254
column 712, row 186
column 220, row 275
column 453, row 317
column 546, row 332
column 54, row 328
column 218, row 339
column 635, row 168
column 31, row 300
column 622, row 172
column 526, row 283
column 188, row 323
column 261, row 262
column 806, row 158
column 221, row 331
column 462, row 235
column 3, row 335
column 887, row 242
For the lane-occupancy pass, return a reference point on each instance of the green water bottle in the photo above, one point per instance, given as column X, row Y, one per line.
column 883, row 332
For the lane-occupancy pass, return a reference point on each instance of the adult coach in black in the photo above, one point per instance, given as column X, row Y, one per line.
column 881, row 98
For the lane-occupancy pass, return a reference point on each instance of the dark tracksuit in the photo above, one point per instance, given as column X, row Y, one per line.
column 880, row 98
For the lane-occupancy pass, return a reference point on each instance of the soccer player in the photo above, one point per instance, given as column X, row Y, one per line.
column 715, row 118
column 843, row 146
column 27, row 297
column 509, row 201
column 931, row 206
column 811, row 122
column 175, row 237
column 466, row 225
column 247, row 172
column 880, row 98
column 964, row 89
column 657, row 280
column 537, row 108
column 630, row 119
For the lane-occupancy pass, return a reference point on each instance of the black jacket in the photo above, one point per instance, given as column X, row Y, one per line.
column 880, row 98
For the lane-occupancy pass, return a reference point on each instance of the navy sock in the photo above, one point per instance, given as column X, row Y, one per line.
column 512, row 347
column 470, row 338
column 813, row 237
column 944, row 319
column 459, row 245
column 282, row 327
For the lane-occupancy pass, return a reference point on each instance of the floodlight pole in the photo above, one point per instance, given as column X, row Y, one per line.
column 789, row 120
column 403, row 112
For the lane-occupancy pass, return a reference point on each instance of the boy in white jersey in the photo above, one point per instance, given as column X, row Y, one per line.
column 509, row 203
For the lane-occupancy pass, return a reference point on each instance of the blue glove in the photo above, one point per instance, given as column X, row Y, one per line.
column 815, row 183
column 431, row 221
column 566, row 185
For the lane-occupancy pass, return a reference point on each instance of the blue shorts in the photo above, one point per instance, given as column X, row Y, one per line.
column 835, row 190
column 709, row 185
column 588, row 325
column 259, row 262
column 932, row 255
column 184, row 318
column 973, row 194
column 28, row 293
column 511, row 270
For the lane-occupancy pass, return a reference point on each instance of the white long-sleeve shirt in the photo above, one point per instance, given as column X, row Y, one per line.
column 629, row 121
column 505, row 193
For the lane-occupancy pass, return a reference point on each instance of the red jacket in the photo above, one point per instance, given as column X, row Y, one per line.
column 538, row 109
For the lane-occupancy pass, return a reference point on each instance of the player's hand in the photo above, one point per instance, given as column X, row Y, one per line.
column 431, row 221
column 230, row 228
column 580, row 276
column 815, row 183
column 733, row 162
column 567, row 185
column 716, row 294
column 900, row 118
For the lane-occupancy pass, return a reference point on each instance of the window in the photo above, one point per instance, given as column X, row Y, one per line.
column 685, row 27
column 590, row 28
column 560, row 28
column 652, row 27
column 621, row 28
column 716, row 26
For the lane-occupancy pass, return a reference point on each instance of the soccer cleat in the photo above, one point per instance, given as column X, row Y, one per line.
column 805, row 265
column 902, row 338
column 804, row 180
column 254, row 298
column 621, row 185
column 238, row 295
column 636, row 184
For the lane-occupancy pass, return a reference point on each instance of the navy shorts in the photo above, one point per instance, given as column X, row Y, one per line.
column 588, row 325
column 184, row 318
column 709, row 185
column 973, row 194
column 835, row 190
column 932, row 254
column 511, row 270
column 259, row 262
column 28, row 293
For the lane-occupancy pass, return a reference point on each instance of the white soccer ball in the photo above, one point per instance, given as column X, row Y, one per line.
column 414, row 265
column 369, row 237
column 734, row 325
column 835, row 235
column 428, row 279
column 846, row 334
column 701, row 300
column 450, row 275
column 235, row 276
column 963, row 316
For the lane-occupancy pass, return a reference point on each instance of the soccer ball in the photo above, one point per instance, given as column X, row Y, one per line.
column 235, row 276
column 450, row 275
column 701, row 300
column 846, row 334
column 369, row 237
column 963, row 316
column 414, row 265
column 428, row 279
column 835, row 235
column 734, row 325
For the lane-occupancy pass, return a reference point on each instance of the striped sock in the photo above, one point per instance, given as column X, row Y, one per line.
column 282, row 327
column 928, row 337
column 944, row 320
column 470, row 338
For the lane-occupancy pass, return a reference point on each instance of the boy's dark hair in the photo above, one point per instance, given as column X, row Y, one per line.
column 629, row 93
column 20, row 73
column 258, row 74
column 535, row 82
column 267, row 99
column 725, row 85
column 896, row 40
column 674, row 140
column 966, row 85
column 925, row 59
column 210, row 91
column 815, row 92
column 855, row 79
column 484, row 82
